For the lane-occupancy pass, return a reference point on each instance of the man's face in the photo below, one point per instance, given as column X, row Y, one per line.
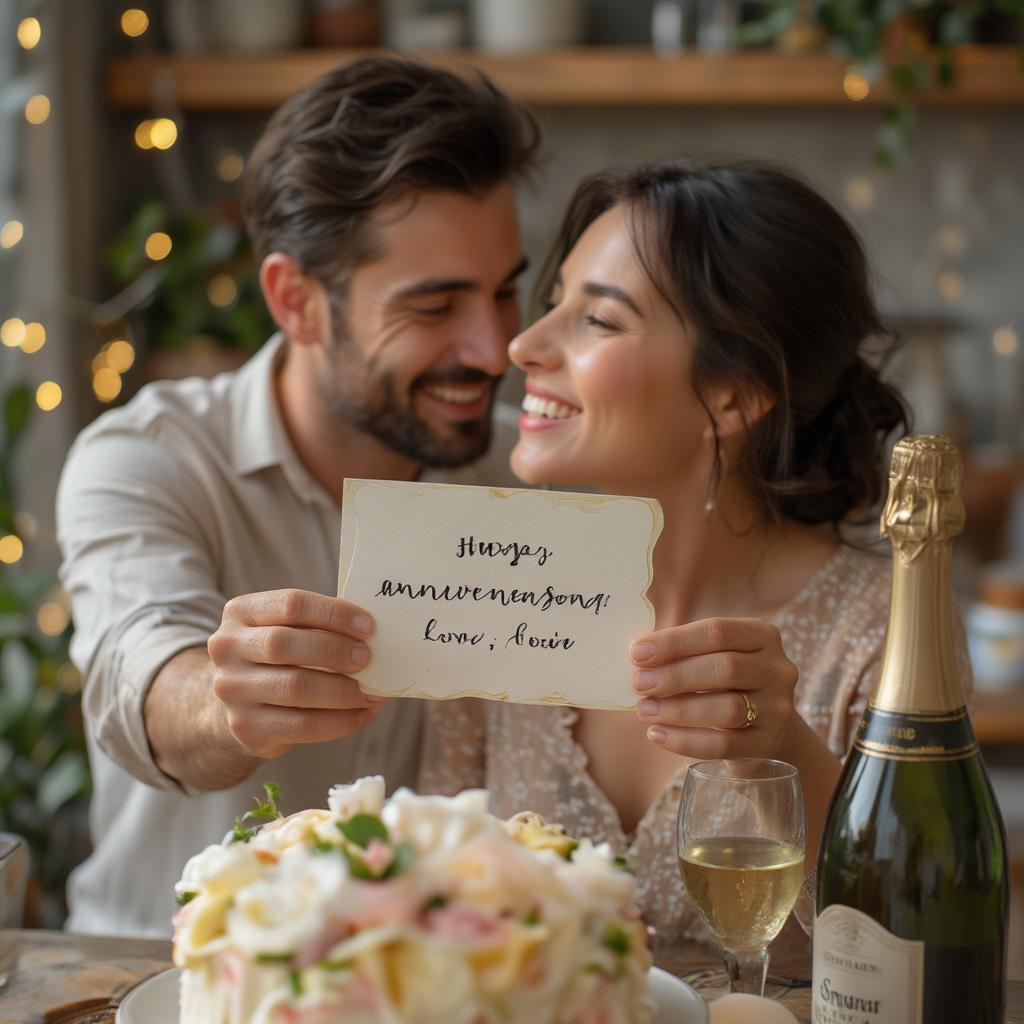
column 423, row 334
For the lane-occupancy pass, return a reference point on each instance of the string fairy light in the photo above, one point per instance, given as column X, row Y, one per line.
column 35, row 338
column 29, row 33
column 163, row 133
column 158, row 246
column 1005, row 342
column 11, row 549
column 119, row 355
column 230, row 167
column 860, row 193
column 855, row 85
column 106, row 384
column 222, row 291
column 12, row 332
column 950, row 285
column 48, row 395
column 11, row 234
column 143, row 134
column 51, row 619
column 134, row 22
column 37, row 109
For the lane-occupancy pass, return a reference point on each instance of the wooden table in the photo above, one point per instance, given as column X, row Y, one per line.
column 79, row 979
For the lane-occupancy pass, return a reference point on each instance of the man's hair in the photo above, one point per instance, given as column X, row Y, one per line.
column 368, row 133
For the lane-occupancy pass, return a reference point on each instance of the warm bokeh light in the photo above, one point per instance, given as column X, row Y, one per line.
column 855, row 85
column 158, row 245
column 11, row 549
column 134, row 22
column 950, row 284
column 1005, row 342
column 860, row 193
column 48, row 395
column 11, row 234
column 35, row 338
column 106, row 384
column 119, row 355
column 37, row 109
column 230, row 167
column 12, row 332
column 29, row 33
column 163, row 133
column 51, row 619
column 222, row 291
column 143, row 134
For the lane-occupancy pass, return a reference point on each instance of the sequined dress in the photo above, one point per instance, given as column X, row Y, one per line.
column 526, row 755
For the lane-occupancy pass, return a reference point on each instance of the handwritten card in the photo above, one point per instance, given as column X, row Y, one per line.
column 520, row 595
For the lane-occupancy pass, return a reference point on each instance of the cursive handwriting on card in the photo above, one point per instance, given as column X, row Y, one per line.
column 539, row 605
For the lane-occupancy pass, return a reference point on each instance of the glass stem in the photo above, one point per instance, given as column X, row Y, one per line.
column 747, row 970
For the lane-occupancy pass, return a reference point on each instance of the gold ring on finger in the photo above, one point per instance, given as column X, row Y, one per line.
column 751, row 711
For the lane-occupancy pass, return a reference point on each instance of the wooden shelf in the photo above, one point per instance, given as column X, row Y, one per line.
column 998, row 718
column 586, row 77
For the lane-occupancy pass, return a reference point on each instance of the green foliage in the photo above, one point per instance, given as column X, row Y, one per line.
column 171, row 296
column 361, row 829
column 909, row 43
column 44, row 773
column 267, row 810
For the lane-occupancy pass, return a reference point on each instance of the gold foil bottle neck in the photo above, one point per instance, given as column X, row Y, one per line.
column 925, row 503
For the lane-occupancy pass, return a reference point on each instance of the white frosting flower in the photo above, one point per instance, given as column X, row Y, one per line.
column 219, row 868
column 284, row 832
column 438, row 824
column 363, row 797
column 289, row 906
column 593, row 876
column 435, row 914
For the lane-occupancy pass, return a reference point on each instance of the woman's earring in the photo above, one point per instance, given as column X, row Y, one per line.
column 714, row 484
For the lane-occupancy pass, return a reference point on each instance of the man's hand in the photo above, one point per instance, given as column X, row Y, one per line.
column 281, row 664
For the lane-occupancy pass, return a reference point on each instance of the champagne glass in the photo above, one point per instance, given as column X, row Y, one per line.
column 741, row 855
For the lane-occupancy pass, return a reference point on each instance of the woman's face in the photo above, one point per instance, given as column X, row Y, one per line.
column 608, row 397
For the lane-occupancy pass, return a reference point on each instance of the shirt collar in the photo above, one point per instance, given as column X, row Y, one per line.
column 258, row 436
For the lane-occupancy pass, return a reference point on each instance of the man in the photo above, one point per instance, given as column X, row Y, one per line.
column 200, row 523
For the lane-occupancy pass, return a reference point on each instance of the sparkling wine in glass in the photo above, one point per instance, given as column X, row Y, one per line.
column 741, row 856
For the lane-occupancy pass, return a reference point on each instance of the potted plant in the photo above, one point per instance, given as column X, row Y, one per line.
column 190, row 290
column 44, row 772
column 911, row 43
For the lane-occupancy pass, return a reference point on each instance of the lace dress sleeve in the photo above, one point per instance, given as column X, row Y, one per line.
column 454, row 747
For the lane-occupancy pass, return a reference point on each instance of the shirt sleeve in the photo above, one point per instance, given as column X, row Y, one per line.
column 140, row 572
column 454, row 747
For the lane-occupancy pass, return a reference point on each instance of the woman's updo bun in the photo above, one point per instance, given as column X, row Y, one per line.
column 774, row 284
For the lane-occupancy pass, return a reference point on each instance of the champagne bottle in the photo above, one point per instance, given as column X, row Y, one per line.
column 912, row 887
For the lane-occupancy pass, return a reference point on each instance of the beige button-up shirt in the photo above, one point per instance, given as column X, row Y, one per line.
column 169, row 506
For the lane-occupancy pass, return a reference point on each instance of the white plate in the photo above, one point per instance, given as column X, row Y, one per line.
column 155, row 1001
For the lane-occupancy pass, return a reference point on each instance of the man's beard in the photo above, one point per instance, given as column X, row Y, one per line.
column 374, row 406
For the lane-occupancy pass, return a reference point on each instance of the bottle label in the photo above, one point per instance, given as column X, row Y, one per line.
column 916, row 736
column 863, row 974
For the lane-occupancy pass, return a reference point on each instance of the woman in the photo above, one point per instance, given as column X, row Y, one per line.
column 702, row 345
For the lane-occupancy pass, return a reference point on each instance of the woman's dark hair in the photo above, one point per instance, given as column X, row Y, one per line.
column 364, row 134
column 775, row 285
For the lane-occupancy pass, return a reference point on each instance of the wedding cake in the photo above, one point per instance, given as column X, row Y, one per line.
column 408, row 910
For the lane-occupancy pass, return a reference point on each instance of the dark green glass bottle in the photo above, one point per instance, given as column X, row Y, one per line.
column 912, row 887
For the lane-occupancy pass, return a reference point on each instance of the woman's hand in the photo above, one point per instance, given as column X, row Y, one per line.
column 716, row 688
